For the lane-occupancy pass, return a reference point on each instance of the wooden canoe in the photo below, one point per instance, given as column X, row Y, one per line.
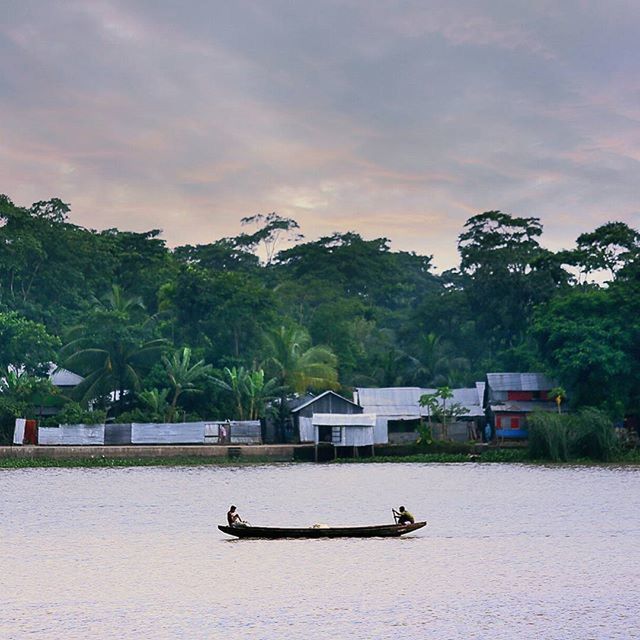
column 376, row 531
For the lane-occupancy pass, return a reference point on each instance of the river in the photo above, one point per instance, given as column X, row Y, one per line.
column 510, row 551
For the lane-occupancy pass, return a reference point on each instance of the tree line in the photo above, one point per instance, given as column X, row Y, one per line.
column 213, row 331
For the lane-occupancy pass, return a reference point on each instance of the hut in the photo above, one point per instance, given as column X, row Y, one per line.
column 511, row 397
column 354, row 431
column 303, row 409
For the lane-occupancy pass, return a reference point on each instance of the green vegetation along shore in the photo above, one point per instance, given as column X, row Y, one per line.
column 213, row 331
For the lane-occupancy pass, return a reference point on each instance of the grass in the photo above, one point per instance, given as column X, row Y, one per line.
column 630, row 457
column 497, row 455
column 193, row 461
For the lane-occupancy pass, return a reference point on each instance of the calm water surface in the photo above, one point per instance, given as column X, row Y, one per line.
column 510, row 552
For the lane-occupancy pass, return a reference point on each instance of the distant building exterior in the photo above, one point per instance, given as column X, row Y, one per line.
column 398, row 411
column 511, row 397
column 65, row 381
column 303, row 409
column 344, row 429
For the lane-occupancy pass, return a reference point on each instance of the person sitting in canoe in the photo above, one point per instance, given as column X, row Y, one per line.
column 403, row 516
column 233, row 518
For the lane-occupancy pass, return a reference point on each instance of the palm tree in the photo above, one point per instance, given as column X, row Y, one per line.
column 259, row 392
column 250, row 390
column 297, row 365
column 156, row 403
column 116, row 300
column 435, row 364
column 183, row 376
column 110, row 350
column 390, row 367
column 234, row 383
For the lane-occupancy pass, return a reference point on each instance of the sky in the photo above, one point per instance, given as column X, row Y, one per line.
column 399, row 119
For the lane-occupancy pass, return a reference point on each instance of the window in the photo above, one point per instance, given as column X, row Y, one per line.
column 403, row 426
column 330, row 434
column 508, row 422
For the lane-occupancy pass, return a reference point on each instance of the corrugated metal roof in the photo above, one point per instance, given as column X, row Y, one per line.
column 61, row 377
column 294, row 403
column 404, row 402
column 389, row 396
column 312, row 399
column 468, row 398
column 344, row 420
column 480, row 388
column 399, row 403
column 519, row 382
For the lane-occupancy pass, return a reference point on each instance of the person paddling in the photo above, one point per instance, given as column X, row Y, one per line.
column 233, row 517
column 403, row 516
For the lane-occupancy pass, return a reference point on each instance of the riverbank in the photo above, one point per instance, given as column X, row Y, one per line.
column 199, row 455
column 150, row 455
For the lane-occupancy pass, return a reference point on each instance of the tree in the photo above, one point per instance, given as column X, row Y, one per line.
column 155, row 401
column 21, row 396
column 140, row 263
column 611, row 247
column 430, row 401
column 223, row 313
column 558, row 395
column 259, row 391
column 25, row 345
column 250, row 391
column 444, row 393
column 221, row 255
column 234, row 382
column 588, row 342
column 274, row 230
column 364, row 269
column 435, row 363
column 437, row 406
column 183, row 376
column 297, row 365
column 49, row 268
column 505, row 274
column 496, row 241
column 112, row 348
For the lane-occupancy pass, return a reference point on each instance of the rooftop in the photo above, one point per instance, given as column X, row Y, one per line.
column 519, row 382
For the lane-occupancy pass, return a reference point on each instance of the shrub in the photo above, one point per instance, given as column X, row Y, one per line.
column 73, row 413
column 548, row 436
column 586, row 434
column 592, row 435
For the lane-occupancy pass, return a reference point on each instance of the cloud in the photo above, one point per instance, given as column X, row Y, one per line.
column 390, row 119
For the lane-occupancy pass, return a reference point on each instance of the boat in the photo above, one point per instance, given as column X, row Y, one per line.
column 375, row 531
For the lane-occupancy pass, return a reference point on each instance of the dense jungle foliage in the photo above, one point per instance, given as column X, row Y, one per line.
column 212, row 331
